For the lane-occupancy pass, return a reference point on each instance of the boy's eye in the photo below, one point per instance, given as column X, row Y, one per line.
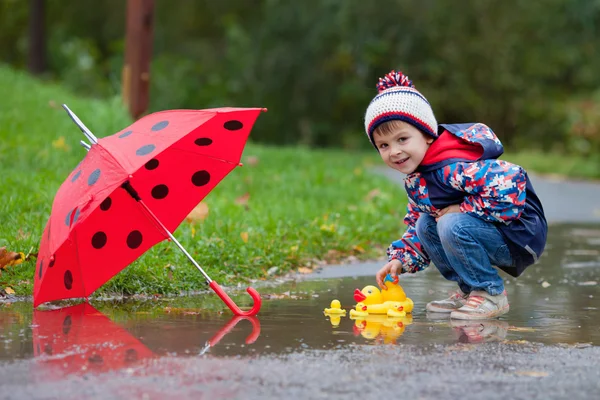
column 383, row 145
column 402, row 139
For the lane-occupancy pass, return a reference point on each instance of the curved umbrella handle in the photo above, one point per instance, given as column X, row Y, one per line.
column 232, row 306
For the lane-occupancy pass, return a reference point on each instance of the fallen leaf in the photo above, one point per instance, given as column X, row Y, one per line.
column 535, row 374
column 328, row 228
column 588, row 283
column 60, row 144
column 8, row 258
column 252, row 160
column 521, row 329
column 199, row 213
column 372, row 194
column 305, row 270
column 243, row 200
column 545, row 284
column 9, row 290
column 358, row 249
column 244, row 236
column 358, row 171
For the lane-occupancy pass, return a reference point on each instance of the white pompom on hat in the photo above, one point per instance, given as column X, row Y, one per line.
column 399, row 100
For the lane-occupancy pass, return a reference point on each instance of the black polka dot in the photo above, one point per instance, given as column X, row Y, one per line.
column 145, row 150
column 125, row 134
column 40, row 270
column 52, row 261
column 160, row 191
column 131, row 355
column 76, row 176
column 105, row 205
column 99, row 240
column 201, row 178
column 48, row 349
column 134, row 239
column 67, row 324
column 152, row 164
column 203, row 141
column 233, row 125
column 159, row 126
column 95, row 359
column 94, row 176
column 68, row 278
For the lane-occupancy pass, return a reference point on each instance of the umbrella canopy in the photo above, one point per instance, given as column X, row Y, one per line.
column 130, row 191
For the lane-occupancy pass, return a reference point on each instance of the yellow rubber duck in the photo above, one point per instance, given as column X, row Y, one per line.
column 392, row 302
column 336, row 308
column 335, row 313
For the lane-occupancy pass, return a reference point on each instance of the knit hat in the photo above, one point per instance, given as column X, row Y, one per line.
column 399, row 100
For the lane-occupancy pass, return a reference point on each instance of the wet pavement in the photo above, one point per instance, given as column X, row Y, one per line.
column 167, row 346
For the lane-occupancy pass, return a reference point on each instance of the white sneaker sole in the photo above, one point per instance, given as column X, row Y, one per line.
column 433, row 308
column 464, row 315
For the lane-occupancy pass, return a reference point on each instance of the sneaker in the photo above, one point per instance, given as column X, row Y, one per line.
column 482, row 305
column 454, row 302
column 480, row 331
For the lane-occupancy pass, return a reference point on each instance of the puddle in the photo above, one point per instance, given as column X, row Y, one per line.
column 556, row 301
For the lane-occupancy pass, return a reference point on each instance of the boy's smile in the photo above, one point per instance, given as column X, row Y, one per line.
column 402, row 147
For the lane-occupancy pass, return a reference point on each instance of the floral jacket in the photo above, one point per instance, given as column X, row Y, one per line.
column 487, row 188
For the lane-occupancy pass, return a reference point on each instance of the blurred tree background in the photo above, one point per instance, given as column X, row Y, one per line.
column 529, row 69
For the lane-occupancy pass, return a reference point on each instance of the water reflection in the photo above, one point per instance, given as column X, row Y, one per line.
column 80, row 339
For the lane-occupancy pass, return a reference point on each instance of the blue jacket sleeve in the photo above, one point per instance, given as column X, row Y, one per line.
column 495, row 189
column 408, row 249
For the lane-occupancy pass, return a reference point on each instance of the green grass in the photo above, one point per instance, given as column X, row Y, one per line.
column 304, row 205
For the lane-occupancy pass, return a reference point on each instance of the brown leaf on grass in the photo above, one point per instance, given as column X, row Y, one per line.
column 252, row 160
column 244, row 236
column 333, row 256
column 372, row 194
column 198, row 214
column 9, row 290
column 8, row 258
column 305, row 270
column 61, row 144
column 243, row 200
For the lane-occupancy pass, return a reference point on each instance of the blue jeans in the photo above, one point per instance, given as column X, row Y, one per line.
column 464, row 249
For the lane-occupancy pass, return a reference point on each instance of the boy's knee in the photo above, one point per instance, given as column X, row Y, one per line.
column 450, row 226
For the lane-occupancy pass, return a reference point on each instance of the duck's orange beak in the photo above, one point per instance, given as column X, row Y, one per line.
column 359, row 296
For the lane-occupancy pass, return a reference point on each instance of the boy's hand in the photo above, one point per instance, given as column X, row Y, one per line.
column 454, row 208
column 390, row 268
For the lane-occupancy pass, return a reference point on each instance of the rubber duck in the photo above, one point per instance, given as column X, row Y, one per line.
column 335, row 308
column 335, row 313
column 392, row 302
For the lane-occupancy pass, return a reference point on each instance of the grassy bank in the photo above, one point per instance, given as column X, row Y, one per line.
column 286, row 208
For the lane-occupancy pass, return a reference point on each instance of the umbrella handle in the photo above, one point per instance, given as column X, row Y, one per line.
column 232, row 306
column 231, row 324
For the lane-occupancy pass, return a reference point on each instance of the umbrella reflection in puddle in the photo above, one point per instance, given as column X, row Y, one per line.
column 80, row 340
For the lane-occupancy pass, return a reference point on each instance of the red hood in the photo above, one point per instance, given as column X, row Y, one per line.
column 448, row 146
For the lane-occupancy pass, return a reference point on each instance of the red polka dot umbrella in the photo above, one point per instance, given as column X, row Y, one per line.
column 131, row 191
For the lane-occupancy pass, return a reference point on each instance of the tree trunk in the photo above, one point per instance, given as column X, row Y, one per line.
column 37, row 37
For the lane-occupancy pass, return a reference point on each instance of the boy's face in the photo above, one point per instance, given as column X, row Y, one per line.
column 404, row 148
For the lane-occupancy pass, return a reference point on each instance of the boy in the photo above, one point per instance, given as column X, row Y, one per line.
column 467, row 210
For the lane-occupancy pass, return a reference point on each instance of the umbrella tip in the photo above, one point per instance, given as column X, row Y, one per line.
column 264, row 110
column 240, row 164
